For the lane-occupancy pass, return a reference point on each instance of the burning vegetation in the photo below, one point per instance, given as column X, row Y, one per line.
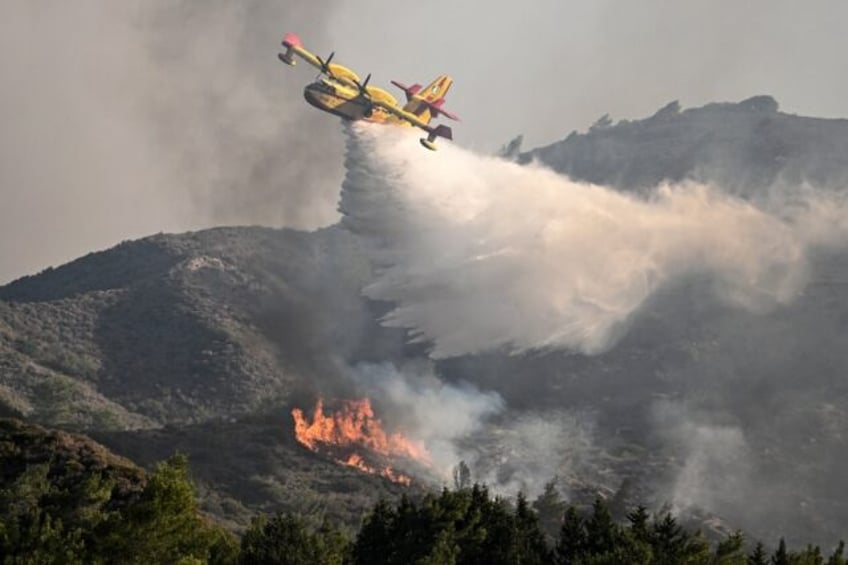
column 354, row 436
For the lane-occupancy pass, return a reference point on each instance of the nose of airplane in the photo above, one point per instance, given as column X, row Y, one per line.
column 310, row 92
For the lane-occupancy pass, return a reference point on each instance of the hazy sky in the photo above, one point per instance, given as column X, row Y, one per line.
column 125, row 119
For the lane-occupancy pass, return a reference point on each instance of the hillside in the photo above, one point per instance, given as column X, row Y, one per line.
column 226, row 327
column 745, row 147
column 203, row 342
column 69, row 459
column 66, row 499
column 179, row 329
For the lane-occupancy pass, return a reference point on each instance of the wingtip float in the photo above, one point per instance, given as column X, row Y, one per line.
column 338, row 90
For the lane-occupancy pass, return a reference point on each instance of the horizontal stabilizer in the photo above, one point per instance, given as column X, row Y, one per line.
column 436, row 109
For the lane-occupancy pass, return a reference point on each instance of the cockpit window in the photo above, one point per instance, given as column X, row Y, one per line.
column 323, row 85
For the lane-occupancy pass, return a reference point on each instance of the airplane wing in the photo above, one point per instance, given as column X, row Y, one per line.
column 432, row 132
column 399, row 112
column 294, row 46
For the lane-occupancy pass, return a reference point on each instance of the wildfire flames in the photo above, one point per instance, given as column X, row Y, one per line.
column 344, row 434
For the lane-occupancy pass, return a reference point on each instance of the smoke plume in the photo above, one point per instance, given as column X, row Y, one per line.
column 716, row 460
column 507, row 450
column 440, row 414
column 122, row 119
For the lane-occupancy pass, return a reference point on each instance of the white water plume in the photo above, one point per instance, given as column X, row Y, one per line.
column 478, row 253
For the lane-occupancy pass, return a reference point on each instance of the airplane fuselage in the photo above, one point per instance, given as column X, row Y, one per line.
column 339, row 99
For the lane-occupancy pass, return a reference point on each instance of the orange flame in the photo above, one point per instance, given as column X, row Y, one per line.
column 355, row 426
column 355, row 460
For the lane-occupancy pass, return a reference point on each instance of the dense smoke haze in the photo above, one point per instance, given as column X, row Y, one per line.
column 126, row 119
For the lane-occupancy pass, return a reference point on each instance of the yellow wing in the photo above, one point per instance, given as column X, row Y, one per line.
column 429, row 142
column 399, row 112
column 376, row 93
column 294, row 46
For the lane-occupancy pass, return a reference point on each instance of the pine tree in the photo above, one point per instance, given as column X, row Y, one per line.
column 571, row 545
column 498, row 523
column 164, row 526
column 837, row 557
column 285, row 540
column 445, row 551
column 668, row 540
column 730, row 551
column 758, row 556
column 781, row 556
column 601, row 531
column 334, row 543
column 530, row 541
column 811, row 555
column 639, row 526
column 375, row 542
column 550, row 509
column 416, row 528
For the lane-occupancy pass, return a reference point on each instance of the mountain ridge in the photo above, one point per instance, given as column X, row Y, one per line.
column 745, row 147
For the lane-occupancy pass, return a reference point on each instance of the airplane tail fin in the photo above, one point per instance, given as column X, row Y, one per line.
column 426, row 103
column 437, row 89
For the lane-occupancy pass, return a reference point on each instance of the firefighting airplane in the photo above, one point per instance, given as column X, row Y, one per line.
column 338, row 90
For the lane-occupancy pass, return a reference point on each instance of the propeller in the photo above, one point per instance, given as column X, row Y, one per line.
column 325, row 65
column 365, row 95
column 361, row 86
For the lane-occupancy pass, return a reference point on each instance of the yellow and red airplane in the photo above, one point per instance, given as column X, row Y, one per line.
column 338, row 90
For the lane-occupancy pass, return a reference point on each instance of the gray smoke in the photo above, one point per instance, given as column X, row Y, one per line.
column 524, row 451
column 238, row 134
column 716, row 463
column 435, row 413
column 130, row 118
column 506, row 450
